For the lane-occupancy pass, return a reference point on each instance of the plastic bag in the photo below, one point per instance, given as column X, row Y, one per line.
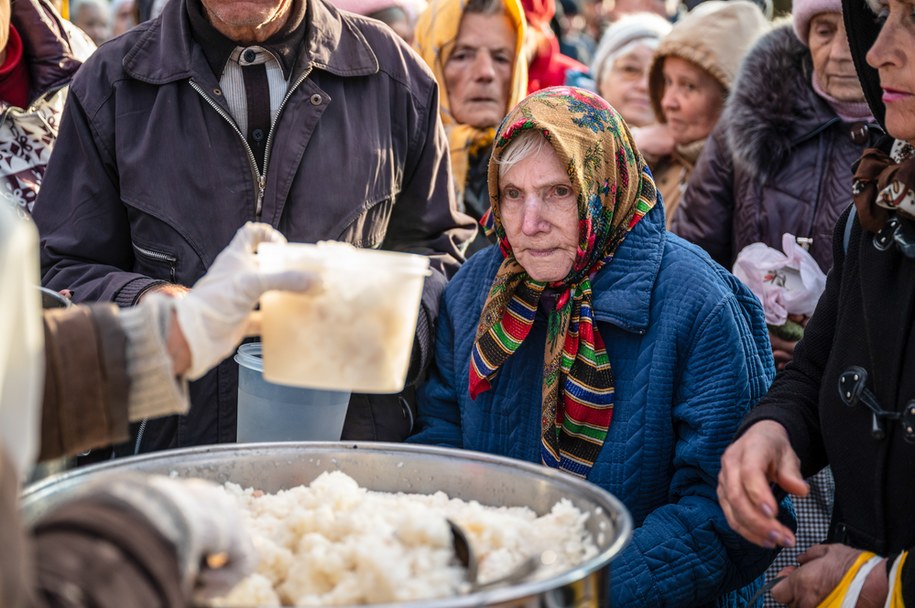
column 786, row 283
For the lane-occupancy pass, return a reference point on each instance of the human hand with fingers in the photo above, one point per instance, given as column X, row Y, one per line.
column 213, row 316
column 760, row 457
column 820, row 570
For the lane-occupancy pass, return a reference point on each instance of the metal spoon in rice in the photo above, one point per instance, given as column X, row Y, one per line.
column 465, row 555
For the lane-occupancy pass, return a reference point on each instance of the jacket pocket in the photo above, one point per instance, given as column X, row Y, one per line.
column 155, row 263
column 369, row 228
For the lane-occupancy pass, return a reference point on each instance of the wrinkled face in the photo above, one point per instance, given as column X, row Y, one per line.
column 539, row 211
column 692, row 100
column 890, row 56
column 94, row 21
column 624, row 84
column 478, row 72
column 832, row 62
column 247, row 20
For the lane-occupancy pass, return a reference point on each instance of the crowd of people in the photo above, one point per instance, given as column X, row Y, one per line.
column 583, row 178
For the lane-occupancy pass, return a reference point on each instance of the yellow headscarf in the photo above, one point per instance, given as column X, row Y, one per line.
column 436, row 32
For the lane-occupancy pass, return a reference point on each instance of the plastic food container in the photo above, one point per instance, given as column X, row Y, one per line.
column 273, row 412
column 354, row 332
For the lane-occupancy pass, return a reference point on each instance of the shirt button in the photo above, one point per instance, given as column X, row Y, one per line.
column 316, row 100
column 257, row 134
column 249, row 56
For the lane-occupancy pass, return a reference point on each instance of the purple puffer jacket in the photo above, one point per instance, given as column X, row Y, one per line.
column 778, row 161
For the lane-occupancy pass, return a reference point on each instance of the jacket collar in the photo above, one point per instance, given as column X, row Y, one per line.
column 622, row 289
column 166, row 50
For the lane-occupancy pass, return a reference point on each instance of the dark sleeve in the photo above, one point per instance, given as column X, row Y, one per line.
column 425, row 218
column 85, row 233
column 86, row 382
column 92, row 554
column 83, row 554
column 705, row 215
column 793, row 399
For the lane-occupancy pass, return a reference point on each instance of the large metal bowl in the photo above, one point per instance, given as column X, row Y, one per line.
column 491, row 480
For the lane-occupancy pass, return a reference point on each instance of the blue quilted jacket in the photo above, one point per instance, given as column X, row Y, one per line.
column 690, row 353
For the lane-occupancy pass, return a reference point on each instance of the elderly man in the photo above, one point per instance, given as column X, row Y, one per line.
column 318, row 122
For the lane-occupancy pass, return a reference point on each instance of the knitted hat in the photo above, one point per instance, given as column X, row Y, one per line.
column 803, row 11
column 623, row 32
column 715, row 36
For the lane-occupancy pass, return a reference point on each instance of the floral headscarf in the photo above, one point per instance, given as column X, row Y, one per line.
column 615, row 190
column 436, row 32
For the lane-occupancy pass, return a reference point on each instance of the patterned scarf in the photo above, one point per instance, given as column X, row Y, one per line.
column 436, row 32
column 883, row 183
column 615, row 190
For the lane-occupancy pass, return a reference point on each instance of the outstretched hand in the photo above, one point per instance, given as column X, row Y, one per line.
column 213, row 316
column 762, row 456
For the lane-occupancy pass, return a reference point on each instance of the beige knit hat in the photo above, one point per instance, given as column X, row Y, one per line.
column 715, row 36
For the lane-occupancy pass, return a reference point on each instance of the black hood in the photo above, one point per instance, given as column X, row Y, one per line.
column 862, row 31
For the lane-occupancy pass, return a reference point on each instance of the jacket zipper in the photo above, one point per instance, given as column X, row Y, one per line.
column 260, row 179
column 171, row 260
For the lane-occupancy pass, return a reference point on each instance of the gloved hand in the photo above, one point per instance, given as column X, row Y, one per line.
column 199, row 518
column 212, row 316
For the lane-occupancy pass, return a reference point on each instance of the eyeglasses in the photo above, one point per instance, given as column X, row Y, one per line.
column 853, row 390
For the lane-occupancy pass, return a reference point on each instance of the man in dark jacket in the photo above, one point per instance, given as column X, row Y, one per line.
column 321, row 123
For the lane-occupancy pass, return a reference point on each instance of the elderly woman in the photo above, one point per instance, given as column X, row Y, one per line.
column 846, row 398
column 593, row 341
column 475, row 51
column 621, row 63
column 689, row 80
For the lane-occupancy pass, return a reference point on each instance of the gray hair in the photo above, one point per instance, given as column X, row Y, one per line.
column 527, row 143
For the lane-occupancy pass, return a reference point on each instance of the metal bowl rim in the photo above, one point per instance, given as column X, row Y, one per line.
column 584, row 488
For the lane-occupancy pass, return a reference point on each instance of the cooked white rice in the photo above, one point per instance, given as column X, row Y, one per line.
column 334, row 543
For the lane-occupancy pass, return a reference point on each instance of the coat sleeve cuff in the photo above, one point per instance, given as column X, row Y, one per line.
column 154, row 389
column 130, row 293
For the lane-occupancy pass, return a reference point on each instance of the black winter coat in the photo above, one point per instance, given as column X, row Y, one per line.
column 778, row 161
column 864, row 318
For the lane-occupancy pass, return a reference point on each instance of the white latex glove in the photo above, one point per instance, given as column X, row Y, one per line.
column 213, row 315
column 199, row 518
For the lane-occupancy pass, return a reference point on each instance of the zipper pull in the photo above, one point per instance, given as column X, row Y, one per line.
column 261, row 186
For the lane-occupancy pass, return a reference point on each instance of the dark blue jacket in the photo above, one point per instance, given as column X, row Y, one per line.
column 690, row 353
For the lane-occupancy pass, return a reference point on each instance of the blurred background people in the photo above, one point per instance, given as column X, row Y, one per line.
column 620, row 66
column 547, row 66
column 780, row 158
column 39, row 54
column 93, row 17
column 123, row 16
column 475, row 52
column 689, row 80
column 779, row 161
column 399, row 15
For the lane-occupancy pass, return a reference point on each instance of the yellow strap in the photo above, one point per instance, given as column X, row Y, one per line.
column 895, row 591
column 834, row 599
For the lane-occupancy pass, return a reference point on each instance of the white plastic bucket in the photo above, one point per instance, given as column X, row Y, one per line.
column 273, row 412
column 353, row 333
